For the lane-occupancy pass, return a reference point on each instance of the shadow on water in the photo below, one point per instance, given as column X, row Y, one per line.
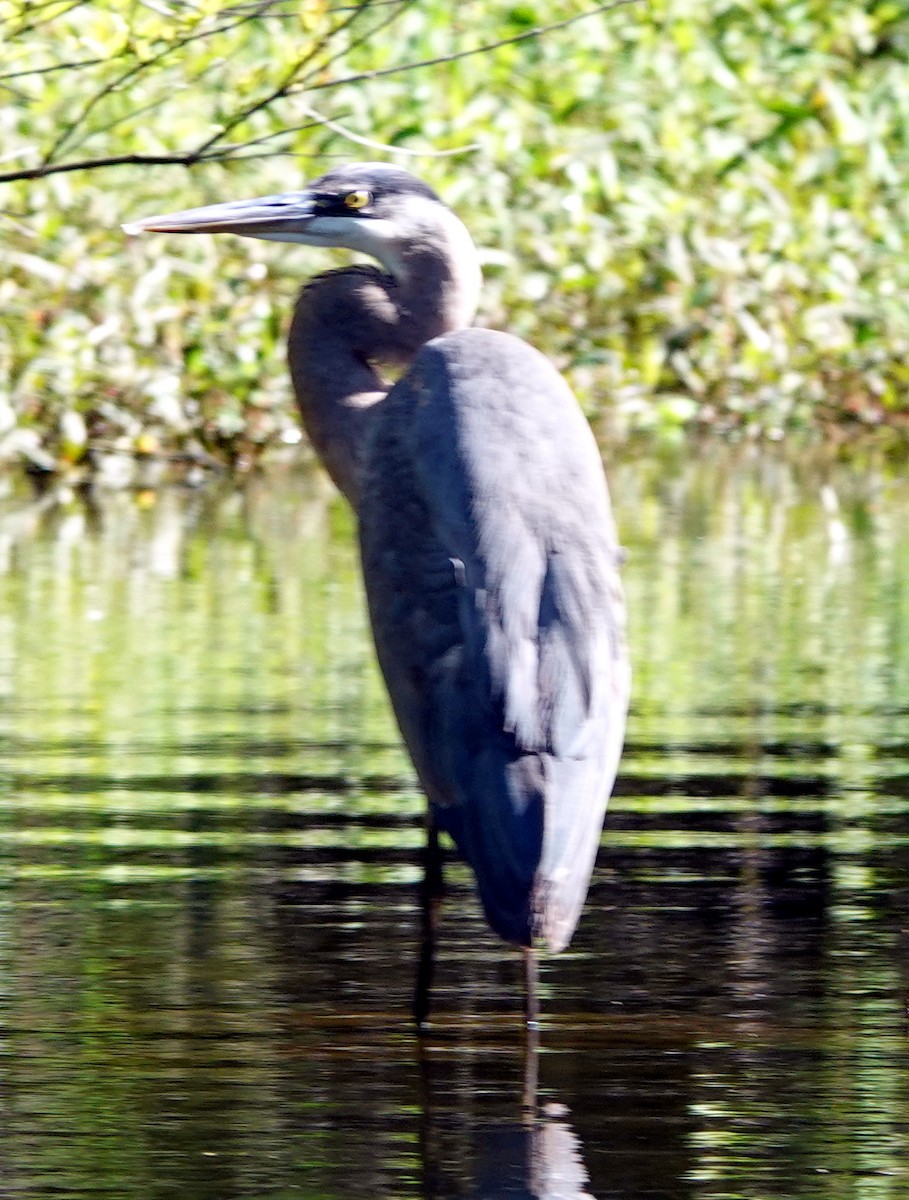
column 210, row 842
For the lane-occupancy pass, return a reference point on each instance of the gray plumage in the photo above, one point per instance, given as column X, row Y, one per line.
column 489, row 552
column 489, row 561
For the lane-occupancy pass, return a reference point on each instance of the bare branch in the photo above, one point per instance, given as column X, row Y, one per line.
column 66, row 66
column 140, row 66
column 88, row 164
column 189, row 159
column 337, row 127
column 487, row 48
column 399, row 8
column 285, row 87
column 304, row 75
column 32, row 9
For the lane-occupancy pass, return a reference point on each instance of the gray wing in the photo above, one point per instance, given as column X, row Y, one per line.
column 490, row 561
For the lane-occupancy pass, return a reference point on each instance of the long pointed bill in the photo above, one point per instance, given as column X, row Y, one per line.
column 284, row 218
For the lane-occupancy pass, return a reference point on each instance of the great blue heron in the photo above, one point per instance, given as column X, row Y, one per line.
column 488, row 546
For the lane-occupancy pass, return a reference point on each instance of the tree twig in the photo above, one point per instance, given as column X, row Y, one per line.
column 286, row 84
column 337, row 127
column 297, row 79
column 140, row 66
column 487, row 48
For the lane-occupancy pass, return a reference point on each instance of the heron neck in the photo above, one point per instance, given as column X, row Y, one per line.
column 336, row 385
column 345, row 324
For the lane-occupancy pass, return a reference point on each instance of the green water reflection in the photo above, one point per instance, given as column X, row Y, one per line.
column 209, row 837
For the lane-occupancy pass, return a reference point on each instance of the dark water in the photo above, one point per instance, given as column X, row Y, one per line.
column 210, row 836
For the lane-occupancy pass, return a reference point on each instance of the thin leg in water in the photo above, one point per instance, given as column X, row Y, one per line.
column 532, row 1032
column 431, row 891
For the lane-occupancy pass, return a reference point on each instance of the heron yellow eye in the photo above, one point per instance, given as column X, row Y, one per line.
column 358, row 199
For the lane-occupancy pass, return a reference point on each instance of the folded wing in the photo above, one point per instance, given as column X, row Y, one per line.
column 490, row 560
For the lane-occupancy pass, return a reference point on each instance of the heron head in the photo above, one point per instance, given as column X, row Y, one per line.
column 378, row 209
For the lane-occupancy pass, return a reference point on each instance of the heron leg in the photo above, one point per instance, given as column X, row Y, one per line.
column 531, row 990
column 532, row 1032
column 431, row 891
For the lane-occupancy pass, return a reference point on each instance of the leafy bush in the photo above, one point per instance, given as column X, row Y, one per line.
column 700, row 212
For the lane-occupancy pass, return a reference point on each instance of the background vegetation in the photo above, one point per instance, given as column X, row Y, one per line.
column 699, row 210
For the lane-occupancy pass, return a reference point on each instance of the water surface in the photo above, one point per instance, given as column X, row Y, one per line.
column 210, row 839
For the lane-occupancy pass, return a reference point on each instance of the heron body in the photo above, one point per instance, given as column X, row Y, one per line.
column 488, row 547
column 497, row 647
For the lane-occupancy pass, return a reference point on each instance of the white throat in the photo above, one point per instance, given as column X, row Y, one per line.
column 426, row 231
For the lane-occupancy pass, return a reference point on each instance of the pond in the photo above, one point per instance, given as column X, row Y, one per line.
column 210, row 838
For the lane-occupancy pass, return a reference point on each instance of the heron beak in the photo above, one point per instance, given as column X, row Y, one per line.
column 275, row 218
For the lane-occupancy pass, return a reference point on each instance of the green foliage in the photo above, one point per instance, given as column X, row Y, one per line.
column 699, row 212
